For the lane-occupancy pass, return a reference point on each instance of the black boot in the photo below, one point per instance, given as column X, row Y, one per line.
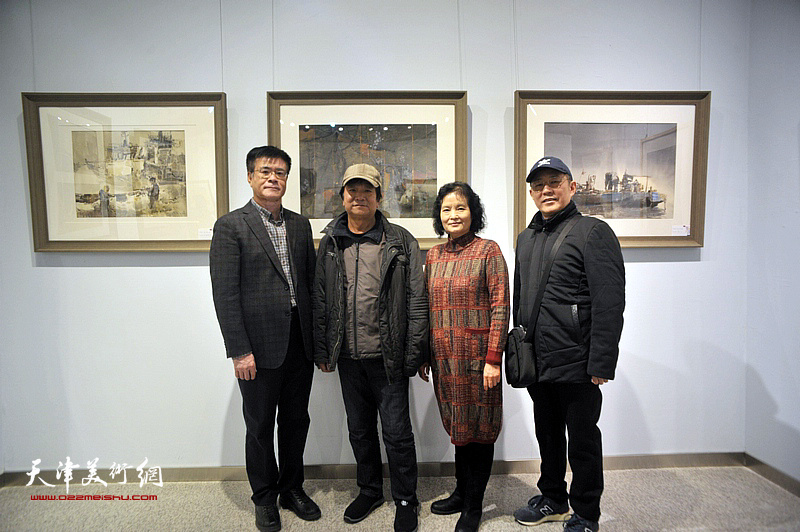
column 455, row 502
column 451, row 505
column 469, row 521
column 480, row 469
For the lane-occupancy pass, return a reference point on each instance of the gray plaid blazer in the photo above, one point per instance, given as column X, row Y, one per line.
column 251, row 293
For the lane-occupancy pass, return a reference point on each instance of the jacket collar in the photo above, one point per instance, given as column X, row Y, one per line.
column 338, row 227
column 253, row 219
column 538, row 223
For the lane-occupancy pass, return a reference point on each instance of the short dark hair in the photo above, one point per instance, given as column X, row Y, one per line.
column 378, row 194
column 476, row 213
column 270, row 152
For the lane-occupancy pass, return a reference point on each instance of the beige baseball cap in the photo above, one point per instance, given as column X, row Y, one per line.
column 363, row 171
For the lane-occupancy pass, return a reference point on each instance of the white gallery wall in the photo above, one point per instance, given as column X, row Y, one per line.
column 119, row 356
column 772, row 371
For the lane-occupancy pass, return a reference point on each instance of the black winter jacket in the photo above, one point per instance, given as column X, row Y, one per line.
column 403, row 303
column 580, row 321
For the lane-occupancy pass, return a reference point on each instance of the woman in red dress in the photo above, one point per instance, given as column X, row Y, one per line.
column 468, row 297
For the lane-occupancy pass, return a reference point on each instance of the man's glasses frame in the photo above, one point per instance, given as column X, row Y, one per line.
column 280, row 173
column 552, row 182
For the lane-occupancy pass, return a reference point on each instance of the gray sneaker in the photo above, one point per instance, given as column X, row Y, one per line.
column 540, row 510
column 577, row 523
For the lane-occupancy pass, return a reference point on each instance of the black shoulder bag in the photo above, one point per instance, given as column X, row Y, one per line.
column 520, row 356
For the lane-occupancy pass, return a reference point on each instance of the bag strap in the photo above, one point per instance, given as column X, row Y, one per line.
column 537, row 303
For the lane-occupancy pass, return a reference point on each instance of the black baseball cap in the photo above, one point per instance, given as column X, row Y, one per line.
column 548, row 162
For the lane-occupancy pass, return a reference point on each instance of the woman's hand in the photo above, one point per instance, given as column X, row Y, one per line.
column 491, row 376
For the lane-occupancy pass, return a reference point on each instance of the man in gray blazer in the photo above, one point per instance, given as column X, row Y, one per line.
column 262, row 266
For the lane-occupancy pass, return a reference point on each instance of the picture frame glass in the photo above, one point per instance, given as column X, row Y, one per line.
column 129, row 173
column 632, row 163
column 411, row 145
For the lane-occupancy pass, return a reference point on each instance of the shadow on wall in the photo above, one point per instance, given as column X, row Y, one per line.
column 327, row 435
column 516, row 440
column 49, row 399
column 670, row 255
column 431, row 440
column 691, row 403
column 769, row 439
column 233, row 434
column 622, row 420
column 327, row 441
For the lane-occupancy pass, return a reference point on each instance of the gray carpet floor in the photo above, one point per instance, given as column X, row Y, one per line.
column 709, row 498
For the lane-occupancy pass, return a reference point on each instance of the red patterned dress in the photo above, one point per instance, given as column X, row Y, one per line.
column 469, row 311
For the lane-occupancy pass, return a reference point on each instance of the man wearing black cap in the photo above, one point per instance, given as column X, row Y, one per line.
column 576, row 331
column 371, row 322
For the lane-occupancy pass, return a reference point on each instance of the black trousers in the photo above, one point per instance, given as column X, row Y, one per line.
column 576, row 409
column 285, row 391
column 368, row 394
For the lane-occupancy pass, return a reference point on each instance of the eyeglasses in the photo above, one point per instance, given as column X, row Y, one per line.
column 280, row 173
column 552, row 182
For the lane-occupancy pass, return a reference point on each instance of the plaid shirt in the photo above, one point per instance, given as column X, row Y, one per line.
column 277, row 233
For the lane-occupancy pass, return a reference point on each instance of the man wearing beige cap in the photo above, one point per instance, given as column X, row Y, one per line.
column 371, row 321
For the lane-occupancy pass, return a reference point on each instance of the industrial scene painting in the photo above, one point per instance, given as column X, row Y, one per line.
column 621, row 170
column 404, row 154
column 129, row 173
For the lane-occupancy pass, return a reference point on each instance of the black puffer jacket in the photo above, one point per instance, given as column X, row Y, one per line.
column 403, row 302
column 580, row 320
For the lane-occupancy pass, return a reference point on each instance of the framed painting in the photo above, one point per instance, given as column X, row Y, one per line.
column 639, row 159
column 416, row 140
column 126, row 172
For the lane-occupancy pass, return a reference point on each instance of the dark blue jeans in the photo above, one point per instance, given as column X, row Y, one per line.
column 368, row 394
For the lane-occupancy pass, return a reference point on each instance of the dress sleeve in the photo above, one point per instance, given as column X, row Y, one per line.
column 497, row 282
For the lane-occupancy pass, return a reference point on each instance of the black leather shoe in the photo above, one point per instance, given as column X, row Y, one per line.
column 301, row 504
column 267, row 518
column 451, row 505
column 361, row 507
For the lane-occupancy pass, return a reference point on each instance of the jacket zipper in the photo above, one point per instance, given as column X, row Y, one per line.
column 391, row 255
column 355, row 298
column 340, row 332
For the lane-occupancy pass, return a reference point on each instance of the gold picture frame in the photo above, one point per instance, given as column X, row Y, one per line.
column 639, row 158
column 126, row 171
column 417, row 140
